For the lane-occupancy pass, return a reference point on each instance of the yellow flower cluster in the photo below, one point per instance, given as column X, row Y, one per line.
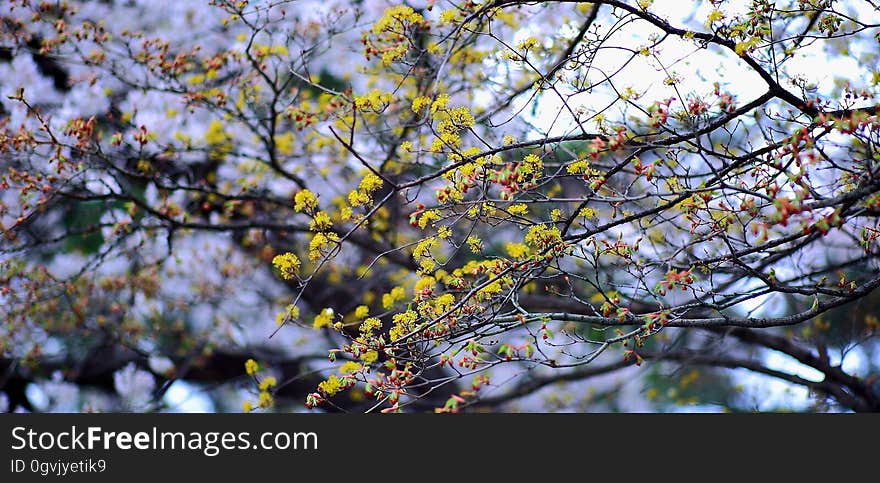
column 265, row 400
column 455, row 119
column 375, row 100
column 475, row 244
column 361, row 311
column 251, row 367
column 444, row 302
column 291, row 312
column 370, row 183
column 323, row 319
column 518, row 209
column 349, row 367
column 428, row 217
column 331, row 386
column 395, row 19
column 420, row 103
column 527, row 44
column 304, row 200
column 395, row 295
column 531, row 167
column 287, row 264
column 217, row 138
column 284, row 143
column 404, row 323
column 320, row 243
column 587, row 213
column 542, row 236
column 714, row 16
column 489, row 290
column 439, row 103
column 449, row 16
column 321, row 222
column 433, row 308
column 394, row 53
column 476, row 267
column 369, row 326
column 391, row 30
column 267, row 382
column 369, row 357
column 516, row 250
column 361, row 196
column 580, row 166
column 450, row 139
column 424, row 284
column 422, row 253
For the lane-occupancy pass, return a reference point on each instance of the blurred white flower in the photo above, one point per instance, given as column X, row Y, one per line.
column 135, row 386
column 160, row 365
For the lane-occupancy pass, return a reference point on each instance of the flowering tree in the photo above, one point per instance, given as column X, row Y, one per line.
column 461, row 203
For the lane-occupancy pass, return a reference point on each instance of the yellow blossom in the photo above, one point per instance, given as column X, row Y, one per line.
column 265, row 400
column 527, row 44
column 330, row 386
column 368, row 326
column 428, row 217
column 404, row 323
column 375, row 100
column 251, row 367
column 714, row 16
column 349, row 367
column 287, row 264
column 532, row 166
column 267, row 382
column 361, row 311
column 439, row 103
column 323, row 318
column 321, row 222
column 449, row 16
column 518, row 209
column 369, row 357
column 395, row 295
column 587, row 213
column 305, row 200
column 541, row 236
column 370, row 183
column 284, row 143
column 291, row 312
column 424, row 283
column 490, row 289
column 580, row 166
column 516, row 250
column 420, row 102
column 394, row 18
column 319, row 243
column 444, row 302
column 358, row 198
column 475, row 244
column 424, row 247
column 217, row 137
